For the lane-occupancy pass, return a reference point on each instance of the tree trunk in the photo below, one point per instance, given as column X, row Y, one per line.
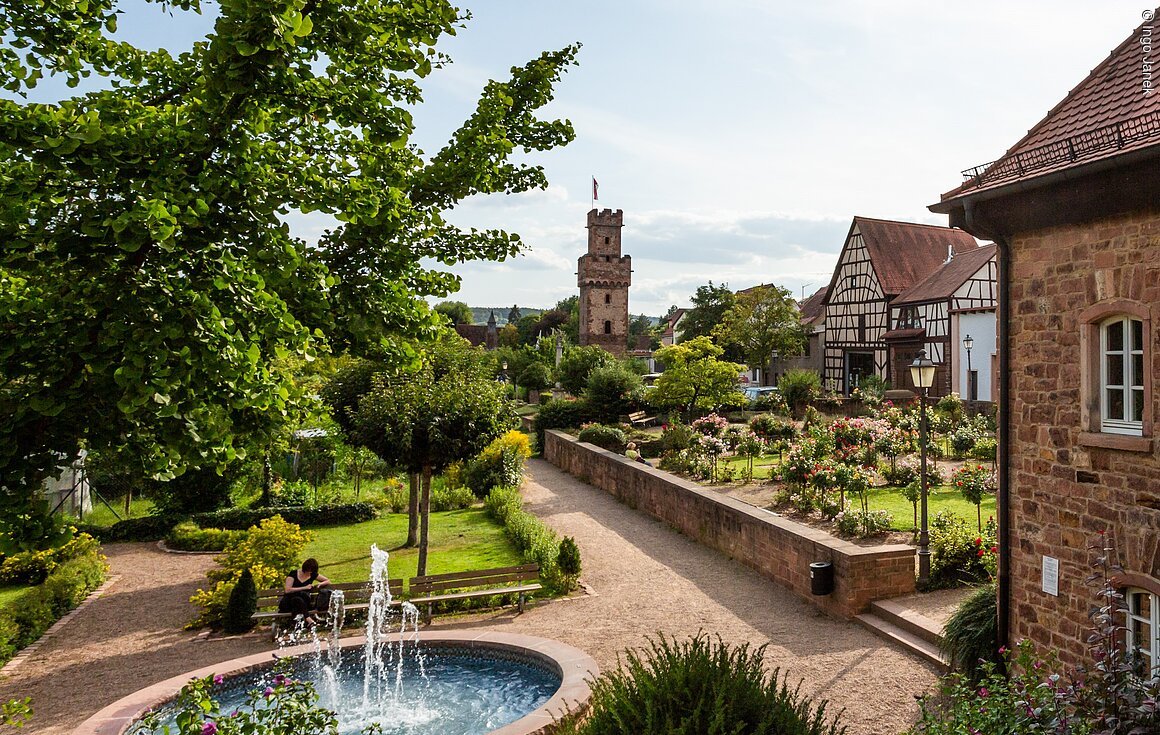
column 425, row 516
column 413, row 510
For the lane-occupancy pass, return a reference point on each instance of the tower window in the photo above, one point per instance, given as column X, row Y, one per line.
column 608, row 298
column 607, row 327
column 606, row 241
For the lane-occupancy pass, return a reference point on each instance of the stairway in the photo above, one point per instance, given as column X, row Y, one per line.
column 906, row 628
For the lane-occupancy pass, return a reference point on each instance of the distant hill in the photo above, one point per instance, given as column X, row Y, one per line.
column 479, row 314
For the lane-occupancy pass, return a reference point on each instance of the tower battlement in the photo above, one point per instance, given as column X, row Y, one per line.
column 606, row 218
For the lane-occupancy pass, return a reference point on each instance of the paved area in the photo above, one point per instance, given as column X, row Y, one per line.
column 644, row 578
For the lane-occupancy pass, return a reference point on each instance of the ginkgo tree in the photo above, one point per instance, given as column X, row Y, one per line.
column 149, row 284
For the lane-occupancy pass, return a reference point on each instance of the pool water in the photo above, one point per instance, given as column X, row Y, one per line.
column 445, row 690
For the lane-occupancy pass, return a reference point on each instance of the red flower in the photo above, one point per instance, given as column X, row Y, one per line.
column 980, row 552
column 978, row 541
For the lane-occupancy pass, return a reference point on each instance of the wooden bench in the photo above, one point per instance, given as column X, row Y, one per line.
column 639, row 417
column 356, row 596
column 433, row 588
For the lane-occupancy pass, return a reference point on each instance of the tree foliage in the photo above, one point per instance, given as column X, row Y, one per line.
column 578, row 363
column 762, row 322
column 149, row 286
column 695, row 377
column 709, row 306
column 456, row 312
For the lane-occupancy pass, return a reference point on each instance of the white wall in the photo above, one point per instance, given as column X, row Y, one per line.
column 982, row 327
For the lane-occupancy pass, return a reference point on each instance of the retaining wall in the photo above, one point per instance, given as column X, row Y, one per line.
column 777, row 547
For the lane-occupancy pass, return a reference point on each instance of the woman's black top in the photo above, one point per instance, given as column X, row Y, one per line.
column 300, row 594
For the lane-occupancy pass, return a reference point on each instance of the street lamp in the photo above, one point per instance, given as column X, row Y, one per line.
column 922, row 375
column 968, row 343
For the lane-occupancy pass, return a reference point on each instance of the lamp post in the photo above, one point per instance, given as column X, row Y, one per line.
column 968, row 343
column 922, row 375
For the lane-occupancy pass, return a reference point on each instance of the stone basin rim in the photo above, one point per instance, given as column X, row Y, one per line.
column 575, row 667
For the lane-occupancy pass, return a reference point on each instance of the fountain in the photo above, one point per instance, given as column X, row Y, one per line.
column 405, row 681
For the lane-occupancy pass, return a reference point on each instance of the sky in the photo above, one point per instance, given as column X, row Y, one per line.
column 741, row 136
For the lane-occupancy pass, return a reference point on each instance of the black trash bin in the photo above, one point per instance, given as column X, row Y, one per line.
column 821, row 577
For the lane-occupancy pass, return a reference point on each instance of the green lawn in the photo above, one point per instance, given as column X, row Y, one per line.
column 9, row 594
column 102, row 516
column 460, row 540
column 943, row 497
column 762, row 466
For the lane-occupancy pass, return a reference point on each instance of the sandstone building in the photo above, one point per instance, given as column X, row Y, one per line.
column 604, row 276
column 1074, row 208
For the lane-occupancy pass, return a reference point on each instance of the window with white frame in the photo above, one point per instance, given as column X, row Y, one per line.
column 1122, row 376
column 1143, row 629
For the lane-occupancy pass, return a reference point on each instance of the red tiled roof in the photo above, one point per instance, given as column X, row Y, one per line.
column 904, row 253
column 947, row 279
column 814, row 306
column 1106, row 115
column 476, row 334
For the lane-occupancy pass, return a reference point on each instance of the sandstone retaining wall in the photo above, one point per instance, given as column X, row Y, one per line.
column 777, row 547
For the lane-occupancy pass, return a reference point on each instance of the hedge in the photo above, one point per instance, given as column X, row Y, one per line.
column 559, row 414
column 29, row 615
column 536, row 541
column 145, row 528
column 188, row 536
column 240, row 519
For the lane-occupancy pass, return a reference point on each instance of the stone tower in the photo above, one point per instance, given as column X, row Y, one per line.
column 604, row 276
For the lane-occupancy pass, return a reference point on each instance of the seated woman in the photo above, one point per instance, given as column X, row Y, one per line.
column 296, row 591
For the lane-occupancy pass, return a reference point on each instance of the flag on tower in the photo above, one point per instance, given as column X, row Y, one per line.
column 595, row 189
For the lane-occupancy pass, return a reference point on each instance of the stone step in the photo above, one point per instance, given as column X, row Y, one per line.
column 910, row 620
column 903, row 638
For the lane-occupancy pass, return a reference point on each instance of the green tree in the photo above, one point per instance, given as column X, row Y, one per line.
column 446, row 410
column 709, row 306
column 535, row 377
column 610, row 392
column 456, row 312
column 148, row 282
column 578, row 363
column 514, row 314
column 695, row 377
column 762, row 322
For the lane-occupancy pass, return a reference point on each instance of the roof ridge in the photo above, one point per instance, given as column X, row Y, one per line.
column 909, row 224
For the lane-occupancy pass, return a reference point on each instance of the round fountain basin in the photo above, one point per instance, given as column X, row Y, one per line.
column 471, row 683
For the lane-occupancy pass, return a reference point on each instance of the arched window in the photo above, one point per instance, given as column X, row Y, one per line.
column 608, row 298
column 1143, row 629
column 607, row 327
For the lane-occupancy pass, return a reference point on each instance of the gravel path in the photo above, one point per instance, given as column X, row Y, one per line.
column 644, row 578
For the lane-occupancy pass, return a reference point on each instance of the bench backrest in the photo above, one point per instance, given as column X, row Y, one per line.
column 501, row 577
column 636, row 415
column 352, row 592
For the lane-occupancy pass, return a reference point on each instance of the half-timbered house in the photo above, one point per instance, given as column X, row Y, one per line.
column 879, row 260
column 936, row 314
column 1074, row 208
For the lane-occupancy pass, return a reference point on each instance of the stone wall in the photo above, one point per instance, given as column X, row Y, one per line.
column 778, row 548
column 1069, row 482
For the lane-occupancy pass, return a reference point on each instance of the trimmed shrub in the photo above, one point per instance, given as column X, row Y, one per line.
column 29, row 615
column 33, row 567
column 985, row 449
column 145, row 528
column 536, row 541
column 558, row 414
column 568, row 560
column 677, row 437
column 196, row 491
column 698, row 687
column 605, row 437
column 242, row 603
column 188, row 536
column 971, row 635
column 959, row 554
column 239, row 519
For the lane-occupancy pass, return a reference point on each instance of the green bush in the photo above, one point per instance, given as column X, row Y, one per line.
column 677, row 437
column 188, row 536
column 611, row 392
column 698, row 687
column 959, row 552
column 32, row 613
column 578, row 364
column 196, row 491
column 393, row 499
column 33, row 567
column 971, row 635
column 243, row 602
column 799, row 387
column 558, row 414
column 985, row 449
column 568, row 560
column 454, row 498
column 605, row 437
column 536, row 541
column 500, row 463
column 769, row 428
column 145, row 528
column 239, row 519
